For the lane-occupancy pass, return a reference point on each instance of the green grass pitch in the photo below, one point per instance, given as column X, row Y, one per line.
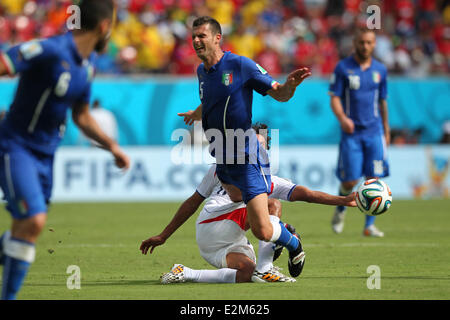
column 102, row 239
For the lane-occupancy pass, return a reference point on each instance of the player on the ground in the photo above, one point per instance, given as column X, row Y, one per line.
column 358, row 92
column 221, row 227
column 55, row 74
column 226, row 84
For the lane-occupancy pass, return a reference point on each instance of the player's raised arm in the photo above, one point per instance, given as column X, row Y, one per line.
column 301, row 193
column 284, row 92
column 184, row 212
column 192, row 115
column 83, row 119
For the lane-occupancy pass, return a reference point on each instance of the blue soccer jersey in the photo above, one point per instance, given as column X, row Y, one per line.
column 226, row 93
column 360, row 92
column 53, row 77
column 362, row 153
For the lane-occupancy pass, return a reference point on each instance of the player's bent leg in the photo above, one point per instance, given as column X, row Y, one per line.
column 274, row 210
column 258, row 218
column 274, row 206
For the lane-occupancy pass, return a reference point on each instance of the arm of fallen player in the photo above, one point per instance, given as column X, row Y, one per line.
column 301, row 193
column 184, row 212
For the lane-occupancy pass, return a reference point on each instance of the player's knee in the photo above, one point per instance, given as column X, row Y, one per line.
column 275, row 207
column 263, row 233
column 29, row 229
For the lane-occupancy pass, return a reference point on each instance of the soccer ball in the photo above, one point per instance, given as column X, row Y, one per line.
column 373, row 197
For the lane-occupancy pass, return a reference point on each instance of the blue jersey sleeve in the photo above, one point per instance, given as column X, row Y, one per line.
column 24, row 56
column 86, row 95
column 337, row 82
column 255, row 76
column 383, row 86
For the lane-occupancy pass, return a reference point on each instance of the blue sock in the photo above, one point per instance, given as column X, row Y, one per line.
column 287, row 239
column 370, row 220
column 18, row 256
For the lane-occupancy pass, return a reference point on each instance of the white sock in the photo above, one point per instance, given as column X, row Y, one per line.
column 224, row 275
column 275, row 221
column 265, row 256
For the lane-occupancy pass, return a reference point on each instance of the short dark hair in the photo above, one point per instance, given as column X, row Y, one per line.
column 362, row 30
column 215, row 25
column 262, row 129
column 92, row 12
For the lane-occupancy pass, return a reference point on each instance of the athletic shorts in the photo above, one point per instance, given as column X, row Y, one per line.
column 216, row 239
column 362, row 156
column 26, row 179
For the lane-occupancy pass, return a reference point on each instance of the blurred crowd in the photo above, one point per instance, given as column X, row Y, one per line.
column 154, row 35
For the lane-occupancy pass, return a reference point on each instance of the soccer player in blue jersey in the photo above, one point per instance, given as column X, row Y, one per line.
column 55, row 75
column 226, row 85
column 358, row 92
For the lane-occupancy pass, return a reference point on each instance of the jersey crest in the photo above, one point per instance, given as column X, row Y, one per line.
column 227, row 78
column 376, row 77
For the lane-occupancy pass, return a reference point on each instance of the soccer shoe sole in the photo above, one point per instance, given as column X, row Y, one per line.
column 269, row 276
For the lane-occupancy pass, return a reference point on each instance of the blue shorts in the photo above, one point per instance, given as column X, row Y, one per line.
column 251, row 179
column 26, row 179
column 362, row 155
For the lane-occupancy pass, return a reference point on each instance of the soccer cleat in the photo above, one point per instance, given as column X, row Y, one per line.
column 176, row 275
column 337, row 223
column 272, row 275
column 279, row 248
column 296, row 260
column 372, row 231
column 277, row 252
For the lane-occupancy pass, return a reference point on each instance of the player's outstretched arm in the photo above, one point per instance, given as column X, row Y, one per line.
column 284, row 92
column 192, row 115
column 301, row 193
column 83, row 119
column 186, row 210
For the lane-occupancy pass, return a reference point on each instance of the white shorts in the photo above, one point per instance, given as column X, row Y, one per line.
column 216, row 239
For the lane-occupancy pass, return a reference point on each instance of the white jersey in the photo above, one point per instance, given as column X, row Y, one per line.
column 219, row 203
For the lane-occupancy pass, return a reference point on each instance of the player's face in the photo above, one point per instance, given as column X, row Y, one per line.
column 205, row 42
column 364, row 45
